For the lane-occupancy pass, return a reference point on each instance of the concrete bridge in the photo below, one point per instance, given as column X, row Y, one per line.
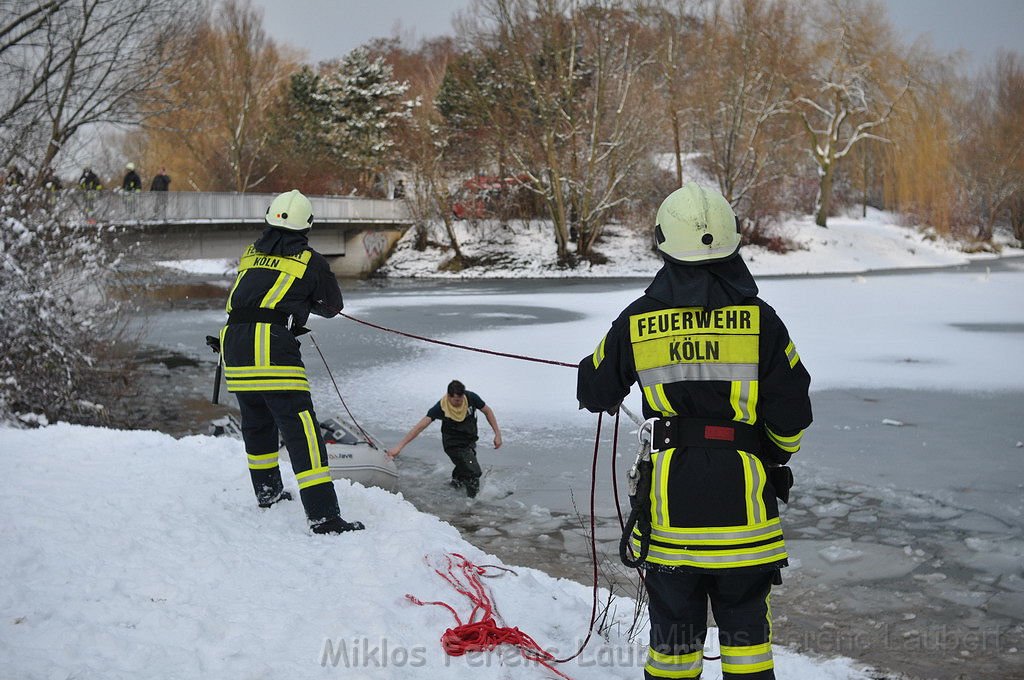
column 353, row 233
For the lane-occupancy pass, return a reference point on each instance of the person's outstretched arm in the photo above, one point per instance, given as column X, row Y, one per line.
column 493, row 422
column 413, row 433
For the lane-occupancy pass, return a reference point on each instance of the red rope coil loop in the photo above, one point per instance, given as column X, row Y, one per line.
column 481, row 632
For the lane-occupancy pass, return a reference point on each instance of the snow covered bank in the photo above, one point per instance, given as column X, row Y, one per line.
column 849, row 245
column 133, row 554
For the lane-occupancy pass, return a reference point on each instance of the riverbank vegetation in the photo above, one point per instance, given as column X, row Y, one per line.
column 588, row 113
column 568, row 115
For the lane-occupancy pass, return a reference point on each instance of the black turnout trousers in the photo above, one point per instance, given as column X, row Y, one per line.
column 267, row 418
column 740, row 603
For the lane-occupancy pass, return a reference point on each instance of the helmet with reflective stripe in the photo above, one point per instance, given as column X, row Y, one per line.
column 291, row 210
column 696, row 225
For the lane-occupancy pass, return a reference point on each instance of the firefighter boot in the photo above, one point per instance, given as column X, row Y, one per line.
column 268, row 501
column 336, row 525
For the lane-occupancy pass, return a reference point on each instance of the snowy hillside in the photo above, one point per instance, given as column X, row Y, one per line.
column 848, row 245
column 136, row 555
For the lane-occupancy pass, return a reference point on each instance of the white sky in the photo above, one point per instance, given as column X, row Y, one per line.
column 331, row 28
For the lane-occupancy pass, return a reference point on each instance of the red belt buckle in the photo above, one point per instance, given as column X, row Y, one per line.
column 720, row 433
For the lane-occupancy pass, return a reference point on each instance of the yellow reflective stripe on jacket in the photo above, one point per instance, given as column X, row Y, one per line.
column 318, row 475
column 293, row 265
column 238, row 280
column 262, row 461
column 743, row 397
column 754, row 479
column 292, row 372
column 281, row 385
column 701, row 372
column 277, row 291
column 790, row 444
column 674, row 666
column 791, row 354
column 261, row 344
column 721, row 536
column 598, row 356
column 662, row 462
column 715, row 547
column 714, row 559
column 751, row 659
column 273, row 378
column 655, row 396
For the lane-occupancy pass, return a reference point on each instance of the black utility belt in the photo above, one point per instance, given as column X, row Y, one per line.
column 257, row 315
column 679, row 431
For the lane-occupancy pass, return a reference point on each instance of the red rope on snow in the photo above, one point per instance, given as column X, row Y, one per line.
column 481, row 632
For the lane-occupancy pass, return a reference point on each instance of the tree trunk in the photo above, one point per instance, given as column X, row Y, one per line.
column 444, row 207
column 824, row 196
column 678, row 147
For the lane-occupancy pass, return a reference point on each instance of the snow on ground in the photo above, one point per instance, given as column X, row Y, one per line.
column 219, row 267
column 848, row 245
column 132, row 554
column 136, row 555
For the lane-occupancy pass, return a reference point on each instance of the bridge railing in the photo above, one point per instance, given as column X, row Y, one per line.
column 191, row 207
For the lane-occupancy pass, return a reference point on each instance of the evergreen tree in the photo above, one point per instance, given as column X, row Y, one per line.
column 352, row 110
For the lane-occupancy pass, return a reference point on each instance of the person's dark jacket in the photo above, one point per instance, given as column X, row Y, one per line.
column 278, row 272
column 132, row 181
column 90, row 180
column 160, row 182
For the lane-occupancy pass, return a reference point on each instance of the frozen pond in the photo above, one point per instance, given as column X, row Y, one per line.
column 907, row 523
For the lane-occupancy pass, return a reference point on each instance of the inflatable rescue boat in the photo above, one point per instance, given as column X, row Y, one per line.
column 349, row 456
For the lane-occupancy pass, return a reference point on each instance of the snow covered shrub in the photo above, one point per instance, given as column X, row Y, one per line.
column 59, row 325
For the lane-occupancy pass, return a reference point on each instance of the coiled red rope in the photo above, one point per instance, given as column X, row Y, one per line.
column 481, row 632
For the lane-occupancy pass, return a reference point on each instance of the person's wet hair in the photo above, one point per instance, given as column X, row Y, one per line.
column 456, row 388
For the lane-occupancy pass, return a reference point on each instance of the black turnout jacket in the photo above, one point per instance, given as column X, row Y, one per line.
column 279, row 278
column 706, row 349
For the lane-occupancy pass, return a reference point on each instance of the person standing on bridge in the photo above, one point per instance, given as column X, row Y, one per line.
column 131, row 181
column 727, row 398
column 281, row 279
column 161, row 184
column 457, row 412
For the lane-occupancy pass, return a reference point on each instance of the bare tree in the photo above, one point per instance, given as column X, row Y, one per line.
column 672, row 25
column 71, row 64
column 856, row 81
column 23, row 72
column 739, row 93
column 991, row 155
column 917, row 172
column 229, row 87
column 575, row 123
column 431, row 151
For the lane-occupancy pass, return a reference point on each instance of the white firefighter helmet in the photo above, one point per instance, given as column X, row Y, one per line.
column 696, row 225
column 129, row 166
column 291, row 210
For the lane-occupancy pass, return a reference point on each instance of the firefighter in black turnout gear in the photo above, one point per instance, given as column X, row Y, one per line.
column 281, row 279
column 728, row 396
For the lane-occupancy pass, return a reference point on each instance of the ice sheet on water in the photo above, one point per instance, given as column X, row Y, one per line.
column 834, row 554
column 967, row 598
column 995, row 555
column 842, row 561
column 832, row 509
column 976, row 522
